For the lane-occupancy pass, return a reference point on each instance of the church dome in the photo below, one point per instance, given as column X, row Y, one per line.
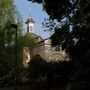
column 35, row 36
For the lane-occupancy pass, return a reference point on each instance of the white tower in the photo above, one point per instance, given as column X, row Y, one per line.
column 30, row 24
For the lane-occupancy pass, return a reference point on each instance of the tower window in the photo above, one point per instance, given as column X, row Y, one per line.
column 31, row 28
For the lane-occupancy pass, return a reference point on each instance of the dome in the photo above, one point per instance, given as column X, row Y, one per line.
column 34, row 36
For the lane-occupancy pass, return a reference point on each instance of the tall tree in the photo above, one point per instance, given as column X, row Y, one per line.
column 8, row 15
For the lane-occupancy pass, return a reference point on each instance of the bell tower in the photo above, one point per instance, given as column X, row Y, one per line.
column 30, row 24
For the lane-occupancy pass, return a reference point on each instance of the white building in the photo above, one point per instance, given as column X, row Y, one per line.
column 44, row 49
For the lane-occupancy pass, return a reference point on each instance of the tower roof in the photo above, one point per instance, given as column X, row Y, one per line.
column 30, row 19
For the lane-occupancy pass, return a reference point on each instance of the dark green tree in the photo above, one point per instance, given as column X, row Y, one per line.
column 8, row 15
column 72, row 32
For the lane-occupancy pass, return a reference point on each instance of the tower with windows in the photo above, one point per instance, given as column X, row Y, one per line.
column 30, row 24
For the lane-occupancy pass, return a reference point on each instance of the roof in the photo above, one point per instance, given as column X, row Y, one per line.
column 34, row 36
column 30, row 19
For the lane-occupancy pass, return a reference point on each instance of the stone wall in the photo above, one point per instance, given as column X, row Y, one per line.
column 47, row 52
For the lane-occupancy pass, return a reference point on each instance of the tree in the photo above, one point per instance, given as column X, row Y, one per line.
column 37, row 67
column 27, row 41
column 49, row 74
column 72, row 33
column 8, row 15
column 69, row 13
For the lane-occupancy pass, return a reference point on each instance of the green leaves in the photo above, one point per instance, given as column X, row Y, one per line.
column 73, row 35
column 8, row 13
column 27, row 41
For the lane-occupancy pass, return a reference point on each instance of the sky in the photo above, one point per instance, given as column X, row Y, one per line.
column 37, row 14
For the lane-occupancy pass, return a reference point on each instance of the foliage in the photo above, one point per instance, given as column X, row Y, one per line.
column 51, row 74
column 72, row 33
column 37, row 67
column 8, row 15
column 63, row 7
column 26, row 41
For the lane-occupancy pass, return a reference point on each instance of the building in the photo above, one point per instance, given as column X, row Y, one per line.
column 43, row 48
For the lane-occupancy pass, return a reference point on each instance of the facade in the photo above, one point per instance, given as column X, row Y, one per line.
column 44, row 48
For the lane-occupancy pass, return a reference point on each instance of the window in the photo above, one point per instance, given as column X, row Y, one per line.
column 31, row 28
column 57, row 48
